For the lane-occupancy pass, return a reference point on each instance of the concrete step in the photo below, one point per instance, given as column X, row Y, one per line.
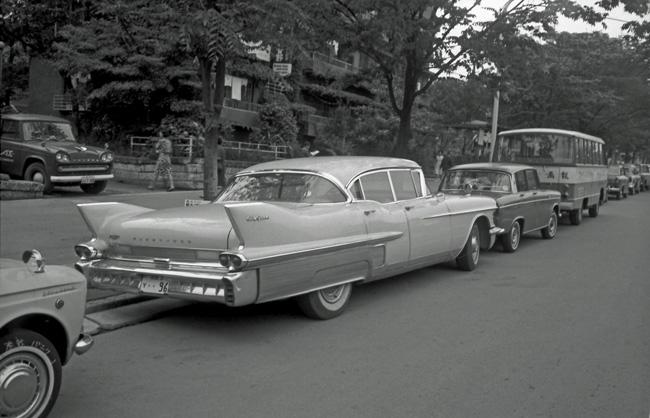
column 133, row 310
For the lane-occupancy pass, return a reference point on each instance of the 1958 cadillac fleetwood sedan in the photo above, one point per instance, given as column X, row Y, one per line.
column 305, row 227
column 41, row 319
column 523, row 206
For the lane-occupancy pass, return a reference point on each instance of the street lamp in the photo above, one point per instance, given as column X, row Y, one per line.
column 495, row 102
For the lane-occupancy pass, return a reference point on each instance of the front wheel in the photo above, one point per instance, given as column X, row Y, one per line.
column 511, row 240
column 593, row 210
column 551, row 228
column 325, row 303
column 30, row 375
column 36, row 173
column 575, row 217
column 94, row 188
column 467, row 260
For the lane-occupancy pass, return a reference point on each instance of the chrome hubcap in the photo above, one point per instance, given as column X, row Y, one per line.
column 23, row 384
column 38, row 178
column 332, row 294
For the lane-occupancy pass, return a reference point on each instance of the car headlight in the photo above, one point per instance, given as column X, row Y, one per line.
column 107, row 157
column 62, row 157
column 86, row 252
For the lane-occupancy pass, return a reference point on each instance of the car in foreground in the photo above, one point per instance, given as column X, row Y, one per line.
column 644, row 172
column 618, row 183
column 633, row 173
column 41, row 326
column 43, row 149
column 308, row 228
column 522, row 206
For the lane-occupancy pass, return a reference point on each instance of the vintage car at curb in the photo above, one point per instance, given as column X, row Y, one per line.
column 618, row 182
column 43, row 149
column 633, row 173
column 41, row 327
column 308, row 228
column 522, row 206
column 644, row 172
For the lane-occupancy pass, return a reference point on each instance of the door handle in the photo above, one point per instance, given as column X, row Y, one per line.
column 409, row 207
column 368, row 212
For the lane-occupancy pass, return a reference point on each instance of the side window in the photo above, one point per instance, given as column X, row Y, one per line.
column 531, row 176
column 520, row 178
column 376, row 186
column 356, row 191
column 403, row 184
column 580, row 157
column 9, row 129
column 417, row 180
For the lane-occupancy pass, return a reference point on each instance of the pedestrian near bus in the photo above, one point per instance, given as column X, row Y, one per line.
column 445, row 164
column 221, row 163
column 164, row 163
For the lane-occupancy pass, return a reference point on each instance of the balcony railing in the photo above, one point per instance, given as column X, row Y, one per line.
column 241, row 105
column 317, row 56
column 62, row 102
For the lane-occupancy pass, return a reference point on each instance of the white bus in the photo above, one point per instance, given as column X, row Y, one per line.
column 570, row 162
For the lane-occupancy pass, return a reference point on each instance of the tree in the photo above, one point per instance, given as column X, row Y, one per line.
column 414, row 43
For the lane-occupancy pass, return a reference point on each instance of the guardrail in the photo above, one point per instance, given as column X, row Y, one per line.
column 189, row 146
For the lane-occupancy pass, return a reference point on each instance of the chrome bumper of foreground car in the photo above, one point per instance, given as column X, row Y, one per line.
column 84, row 344
column 229, row 288
column 75, row 179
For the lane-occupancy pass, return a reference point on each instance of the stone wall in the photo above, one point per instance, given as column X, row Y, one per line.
column 187, row 175
column 18, row 189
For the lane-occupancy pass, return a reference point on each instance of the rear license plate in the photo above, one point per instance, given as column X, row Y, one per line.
column 87, row 179
column 154, row 284
column 195, row 202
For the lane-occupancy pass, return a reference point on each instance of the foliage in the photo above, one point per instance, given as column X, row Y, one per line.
column 585, row 82
column 278, row 125
column 360, row 130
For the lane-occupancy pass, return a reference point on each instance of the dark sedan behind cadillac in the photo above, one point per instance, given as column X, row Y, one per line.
column 522, row 206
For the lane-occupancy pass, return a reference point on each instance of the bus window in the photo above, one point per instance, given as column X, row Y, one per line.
column 520, row 178
column 580, row 153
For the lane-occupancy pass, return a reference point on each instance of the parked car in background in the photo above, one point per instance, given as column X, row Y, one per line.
column 618, row 182
column 44, row 149
column 522, row 206
column 633, row 173
column 644, row 172
column 308, row 228
column 41, row 320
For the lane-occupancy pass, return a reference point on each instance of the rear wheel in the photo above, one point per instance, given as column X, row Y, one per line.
column 510, row 241
column 94, row 188
column 618, row 195
column 575, row 217
column 467, row 260
column 36, row 173
column 593, row 210
column 551, row 228
column 30, row 375
column 325, row 303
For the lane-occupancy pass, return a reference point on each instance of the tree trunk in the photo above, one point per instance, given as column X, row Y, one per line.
column 210, row 174
column 400, row 149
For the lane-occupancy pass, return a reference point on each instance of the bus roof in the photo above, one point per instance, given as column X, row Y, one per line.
column 552, row 131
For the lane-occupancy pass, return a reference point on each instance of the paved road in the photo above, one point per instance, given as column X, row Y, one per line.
column 560, row 328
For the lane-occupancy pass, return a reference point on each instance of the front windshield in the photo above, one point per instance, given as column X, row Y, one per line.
column 479, row 180
column 47, row 131
column 282, row 187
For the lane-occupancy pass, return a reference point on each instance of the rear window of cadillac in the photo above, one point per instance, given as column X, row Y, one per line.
column 282, row 187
